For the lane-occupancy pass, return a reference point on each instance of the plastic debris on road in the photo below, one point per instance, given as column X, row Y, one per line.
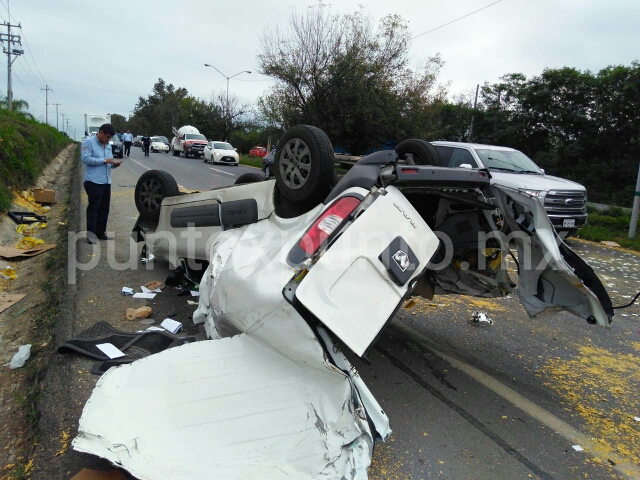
column 21, row 356
column 31, row 228
column 8, row 273
column 135, row 313
column 480, row 319
column 28, row 242
column 577, row 448
column 127, row 291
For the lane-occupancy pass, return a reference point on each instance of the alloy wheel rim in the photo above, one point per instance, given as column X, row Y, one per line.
column 295, row 164
column 151, row 194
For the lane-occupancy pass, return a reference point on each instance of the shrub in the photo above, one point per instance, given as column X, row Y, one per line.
column 26, row 147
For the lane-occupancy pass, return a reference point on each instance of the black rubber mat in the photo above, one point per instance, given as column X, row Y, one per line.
column 134, row 345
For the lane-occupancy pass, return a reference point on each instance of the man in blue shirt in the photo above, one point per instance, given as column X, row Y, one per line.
column 97, row 158
column 127, row 139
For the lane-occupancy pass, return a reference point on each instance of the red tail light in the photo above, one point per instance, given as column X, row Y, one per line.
column 327, row 223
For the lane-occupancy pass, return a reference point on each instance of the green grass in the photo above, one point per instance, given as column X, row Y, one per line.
column 250, row 161
column 26, row 147
column 611, row 224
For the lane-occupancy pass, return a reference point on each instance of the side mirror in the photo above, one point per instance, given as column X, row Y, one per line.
column 466, row 165
column 542, row 170
column 236, row 149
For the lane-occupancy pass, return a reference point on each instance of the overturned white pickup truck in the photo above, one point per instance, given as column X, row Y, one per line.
column 295, row 266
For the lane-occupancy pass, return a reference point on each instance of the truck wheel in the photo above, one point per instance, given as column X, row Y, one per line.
column 422, row 151
column 248, row 178
column 152, row 187
column 304, row 164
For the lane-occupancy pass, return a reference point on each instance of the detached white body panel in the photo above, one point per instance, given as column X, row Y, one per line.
column 349, row 289
column 228, row 409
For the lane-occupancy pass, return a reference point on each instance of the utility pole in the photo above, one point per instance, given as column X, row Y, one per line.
column 636, row 206
column 475, row 104
column 67, row 125
column 46, row 104
column 57, row 105
column 10, row 44
column 63, row 115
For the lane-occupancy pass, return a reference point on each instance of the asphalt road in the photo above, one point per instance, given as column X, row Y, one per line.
column 190, row 172
column 506, row 401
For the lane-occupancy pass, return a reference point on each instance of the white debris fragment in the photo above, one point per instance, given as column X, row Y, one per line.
column 110, row 350
column 480, row 318
column 577, row 448
column 171, row 325
column 20, row 357
column 127, row 291
column 637, row 419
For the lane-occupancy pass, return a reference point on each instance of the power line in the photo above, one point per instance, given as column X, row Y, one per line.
column 31, row 77
column 26, row 43
column 452, row 21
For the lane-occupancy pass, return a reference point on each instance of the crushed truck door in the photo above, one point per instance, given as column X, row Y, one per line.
column 552, row 277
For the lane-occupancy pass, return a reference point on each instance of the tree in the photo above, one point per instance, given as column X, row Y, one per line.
column 345, row 75
column 231, row 114
column 17, row 105
column 119, row 122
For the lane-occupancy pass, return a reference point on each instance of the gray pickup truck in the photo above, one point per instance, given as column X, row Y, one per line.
column 565, row 201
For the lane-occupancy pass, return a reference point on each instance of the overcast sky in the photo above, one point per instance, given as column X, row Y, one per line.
column 100, row 56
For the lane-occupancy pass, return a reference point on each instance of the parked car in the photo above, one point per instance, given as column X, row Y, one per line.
column 158, row 145
column 165, row 140
column 267, row 163
column 565, row 201
column 301, row 267
column 258, row 152
column 137, row 140
column 221, row 152
column 117, row 148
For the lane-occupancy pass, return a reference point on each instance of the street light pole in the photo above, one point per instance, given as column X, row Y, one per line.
column 227, row 102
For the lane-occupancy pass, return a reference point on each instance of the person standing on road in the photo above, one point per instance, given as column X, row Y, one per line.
column 127, row 139
column 146, row 143
column 98, row 160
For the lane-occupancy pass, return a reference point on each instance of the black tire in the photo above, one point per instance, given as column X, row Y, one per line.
column 304, row 164
column 422, row 151
column 248, row 178
column 152, row 187
column 167, row 152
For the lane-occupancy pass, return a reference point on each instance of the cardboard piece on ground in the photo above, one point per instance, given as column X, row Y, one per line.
column 86, row 474
column 43, row 195
column 10, row 299
column 10, row 252
column 154, row 285
column 609, row 243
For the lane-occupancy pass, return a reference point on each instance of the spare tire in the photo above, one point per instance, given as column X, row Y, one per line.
column 304, row 164
column 248, row 178
column 422, row 152
column 152, row 187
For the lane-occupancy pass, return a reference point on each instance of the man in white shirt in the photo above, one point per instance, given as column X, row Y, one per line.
column 127, row 139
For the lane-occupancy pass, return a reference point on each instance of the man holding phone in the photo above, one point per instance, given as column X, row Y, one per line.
column 98, row 160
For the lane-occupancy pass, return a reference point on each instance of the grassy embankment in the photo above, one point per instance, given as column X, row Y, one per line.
column 250, row 161
column 611, row 224
column 26, row 147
